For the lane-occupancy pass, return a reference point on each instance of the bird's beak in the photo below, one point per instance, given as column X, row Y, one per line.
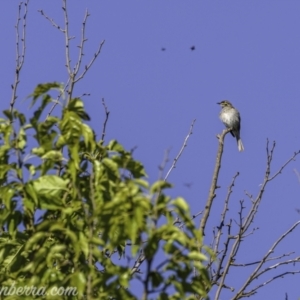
column 219, row 103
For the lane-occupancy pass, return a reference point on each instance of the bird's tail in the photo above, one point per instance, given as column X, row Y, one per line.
column 240, row 144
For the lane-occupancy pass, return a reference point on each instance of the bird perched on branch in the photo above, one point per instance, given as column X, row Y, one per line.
column 230, row 117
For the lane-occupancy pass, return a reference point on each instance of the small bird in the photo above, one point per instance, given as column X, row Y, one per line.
column 231, row 119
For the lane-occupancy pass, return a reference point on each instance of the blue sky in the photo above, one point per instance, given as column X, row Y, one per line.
column 246, row 52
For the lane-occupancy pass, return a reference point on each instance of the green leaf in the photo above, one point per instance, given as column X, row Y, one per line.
column 89, row 138
column 38, row 151
column 42, row 89
column 76, row 105
column 111, row 167
column 159, row 186
column 115, row 146
column 196, row 255
column 60, row 142
column 50, row 185
column 181, row 204
column 20, row 116
column 21, row 139
column 53, row 155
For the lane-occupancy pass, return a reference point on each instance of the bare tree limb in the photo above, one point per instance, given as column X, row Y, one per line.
column 213, row 186
column 73, row 73
column 180, row 151
column 253, row 211
column 257, row 262
column 56, row 102
column 105, row 121
column 81, row 46
column 254, row 291
column 87, row 67
column 51, row 21
column 20, row 53
column 243, row 225
column 138, row 262
column 225, row 210
column 255, row 274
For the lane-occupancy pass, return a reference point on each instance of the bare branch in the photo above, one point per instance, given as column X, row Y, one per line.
column 255, row 274
column 181, row 223
column 84, row 95
column 20, row 57
column 218, row 273
column 181, row 150
column 197, row 214
column 249, row 196
column 213, row 186
column 51, row 21
column 253, row 291
column 138, row 262
column 223, row 215
column 61, row 94
column 256, row 202
column 257, row 262
column 87, row 67
column 72, row 72
column 283, row 166
column 245, row 223
column 105, row 121
column 67, row 45
column 286, row 262
column 83, row 40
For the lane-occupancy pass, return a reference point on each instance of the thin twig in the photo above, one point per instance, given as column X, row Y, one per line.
column 51, row 21
column 81, row 46
column 138, row 262
column 56, row 101
column 19, row 57
column 249, row 219
column 256, row 272
column 257, row 262
column 253, row 291
column 107, row 112
column 284, row 165
column 225, row 209
column 181, row 150
column 281, row 263
column 225, row 251
column 87, row 67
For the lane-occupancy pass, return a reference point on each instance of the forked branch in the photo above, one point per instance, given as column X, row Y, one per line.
column 20, row 50
column 228, row 255
column 75, row 73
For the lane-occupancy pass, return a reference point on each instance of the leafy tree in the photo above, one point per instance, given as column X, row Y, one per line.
column 78, row 212
column 94, row 204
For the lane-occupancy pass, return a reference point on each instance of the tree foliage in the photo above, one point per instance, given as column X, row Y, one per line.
column 78, row 212
column 71, row 206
